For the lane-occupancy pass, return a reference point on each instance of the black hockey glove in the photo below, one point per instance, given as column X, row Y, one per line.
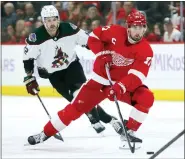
column 31, row 84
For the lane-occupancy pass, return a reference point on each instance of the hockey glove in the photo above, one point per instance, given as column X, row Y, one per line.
column 100, row 62
column 31, row 84
column 117, row 89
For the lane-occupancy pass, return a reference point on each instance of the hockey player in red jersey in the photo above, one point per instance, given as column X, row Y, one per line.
column 129, row 56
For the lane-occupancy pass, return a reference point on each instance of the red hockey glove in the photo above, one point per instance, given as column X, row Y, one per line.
column 117, row 89
column 31, row 84
column 100, row 62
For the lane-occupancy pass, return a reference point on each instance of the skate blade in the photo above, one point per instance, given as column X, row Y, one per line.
column 101, row 134
column 27, row 144
column 58, row 137
column 126, row 147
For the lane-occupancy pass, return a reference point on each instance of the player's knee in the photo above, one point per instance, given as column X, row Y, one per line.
column 144, row 97
column 69, row 113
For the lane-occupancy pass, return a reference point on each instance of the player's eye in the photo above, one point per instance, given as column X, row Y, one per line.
column 145, row 26
column 134, row 27
column 137, row 27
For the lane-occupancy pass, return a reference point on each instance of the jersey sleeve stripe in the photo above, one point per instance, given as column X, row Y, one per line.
column 93, row 35
column 137, row 73
column 100, row 79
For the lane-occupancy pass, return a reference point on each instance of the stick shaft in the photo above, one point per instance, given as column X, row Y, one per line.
column 132, row 148
column 43, row 106
column 59, row 136
column 167, row 145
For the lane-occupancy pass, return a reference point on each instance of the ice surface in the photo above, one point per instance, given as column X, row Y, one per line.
column 24, row 116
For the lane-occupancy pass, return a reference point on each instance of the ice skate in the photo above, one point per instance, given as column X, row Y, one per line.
column 132, row 138
column 98, row 127
column 94, row 119
column 116, row 124
column 36, row 139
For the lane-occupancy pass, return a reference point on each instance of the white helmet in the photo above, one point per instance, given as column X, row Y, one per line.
column 49, row 11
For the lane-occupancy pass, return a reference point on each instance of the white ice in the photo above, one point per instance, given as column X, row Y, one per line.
column 24, row 116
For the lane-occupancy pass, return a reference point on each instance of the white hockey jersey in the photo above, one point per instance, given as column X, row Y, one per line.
column 54, row 53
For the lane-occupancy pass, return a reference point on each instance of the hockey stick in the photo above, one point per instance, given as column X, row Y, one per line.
column 132, row 148
column 57, row 136
column 167, row 145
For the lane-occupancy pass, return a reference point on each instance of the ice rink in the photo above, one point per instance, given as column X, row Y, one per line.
column 24, row 116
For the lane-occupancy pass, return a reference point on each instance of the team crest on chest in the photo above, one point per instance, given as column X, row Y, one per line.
column 120, row 60
column 61, row 58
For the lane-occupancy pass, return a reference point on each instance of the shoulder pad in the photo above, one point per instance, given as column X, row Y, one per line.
column 38, row 36
column 67, row 29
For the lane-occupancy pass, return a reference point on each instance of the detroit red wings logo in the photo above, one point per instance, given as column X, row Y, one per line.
column 120, row 60
column 60, row 58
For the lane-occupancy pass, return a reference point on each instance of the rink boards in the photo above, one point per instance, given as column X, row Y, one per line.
column 165, row 79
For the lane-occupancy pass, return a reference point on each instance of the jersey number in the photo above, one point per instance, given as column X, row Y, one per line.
column 148, row 61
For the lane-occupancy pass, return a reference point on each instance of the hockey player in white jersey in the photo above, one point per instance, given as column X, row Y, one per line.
column 52, row 47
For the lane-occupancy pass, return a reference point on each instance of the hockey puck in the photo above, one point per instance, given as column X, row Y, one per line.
column 150, row 152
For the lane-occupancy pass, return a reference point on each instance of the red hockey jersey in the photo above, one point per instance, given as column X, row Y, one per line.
column 131, row 62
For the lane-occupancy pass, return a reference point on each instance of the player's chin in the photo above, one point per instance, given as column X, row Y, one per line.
column 137, row 38
column 53, row 29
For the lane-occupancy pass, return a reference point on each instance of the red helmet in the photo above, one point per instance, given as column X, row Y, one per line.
column 136, row 18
